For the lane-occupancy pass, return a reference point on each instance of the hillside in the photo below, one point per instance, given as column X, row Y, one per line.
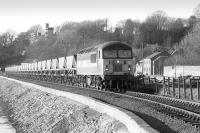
column 158, row 31
column 71, row 38
column 188, row 50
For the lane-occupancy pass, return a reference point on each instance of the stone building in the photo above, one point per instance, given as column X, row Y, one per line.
column 49, row 31
column 152, row 64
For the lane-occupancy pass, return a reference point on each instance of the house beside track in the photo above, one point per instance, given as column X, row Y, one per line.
column 152, row 64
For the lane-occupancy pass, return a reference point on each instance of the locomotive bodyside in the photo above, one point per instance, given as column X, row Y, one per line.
column 89, row 64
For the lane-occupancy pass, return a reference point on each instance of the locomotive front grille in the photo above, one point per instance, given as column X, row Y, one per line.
column 118, row 68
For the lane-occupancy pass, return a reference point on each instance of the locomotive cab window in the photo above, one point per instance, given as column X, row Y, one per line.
column 124, row 53
column 93, row 58
column 110, row 54
column 117, row 50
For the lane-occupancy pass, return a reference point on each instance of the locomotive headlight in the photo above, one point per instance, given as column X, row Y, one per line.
column 106, row 67
column 129, row 67
column 118, row 61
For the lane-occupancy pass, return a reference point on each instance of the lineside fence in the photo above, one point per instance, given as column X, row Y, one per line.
column 182, row 87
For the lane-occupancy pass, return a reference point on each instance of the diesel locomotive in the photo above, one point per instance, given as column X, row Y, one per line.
column 105, row 66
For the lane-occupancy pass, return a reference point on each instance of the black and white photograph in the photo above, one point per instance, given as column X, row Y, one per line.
column 99, row 66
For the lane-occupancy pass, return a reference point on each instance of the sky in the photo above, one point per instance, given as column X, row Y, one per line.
column 20, row 15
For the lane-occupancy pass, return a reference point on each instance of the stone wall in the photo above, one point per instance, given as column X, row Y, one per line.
column 35, row 111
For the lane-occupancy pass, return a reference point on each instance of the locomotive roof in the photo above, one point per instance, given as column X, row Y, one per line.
column 101, row 46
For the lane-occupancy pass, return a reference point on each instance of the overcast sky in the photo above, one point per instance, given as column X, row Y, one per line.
column 20, row 15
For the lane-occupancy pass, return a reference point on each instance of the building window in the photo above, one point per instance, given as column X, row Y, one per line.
column 93, row 58
column 99, row 54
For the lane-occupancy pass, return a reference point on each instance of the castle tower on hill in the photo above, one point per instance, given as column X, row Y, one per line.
column 49, row 31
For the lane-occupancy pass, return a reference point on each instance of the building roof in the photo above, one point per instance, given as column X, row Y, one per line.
column 153, row 55
column 156, row 55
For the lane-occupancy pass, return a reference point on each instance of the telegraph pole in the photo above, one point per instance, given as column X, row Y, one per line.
column 142, row 50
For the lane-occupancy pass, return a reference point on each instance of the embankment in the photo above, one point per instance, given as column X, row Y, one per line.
column 33, row 110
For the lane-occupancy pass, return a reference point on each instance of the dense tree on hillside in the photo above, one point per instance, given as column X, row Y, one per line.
column 131, row 31
column 188, row 50
column 117, row 34
column 176, row 30
column 6, row 45
column 41, row 49
column 21, row 43
column 12, row 47
column 154, row 28
column 76, row 36
column 72, row 36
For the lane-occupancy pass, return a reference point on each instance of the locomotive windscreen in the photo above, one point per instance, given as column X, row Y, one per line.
column 110, row 53
column 117, row 50
column 124, row 53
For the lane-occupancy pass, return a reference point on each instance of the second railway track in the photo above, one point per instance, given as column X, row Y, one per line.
column 174, row 113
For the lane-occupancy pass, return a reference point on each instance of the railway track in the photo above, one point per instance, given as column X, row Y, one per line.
column 186, row 111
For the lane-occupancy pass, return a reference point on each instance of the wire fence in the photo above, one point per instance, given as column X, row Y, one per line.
column 182, row 87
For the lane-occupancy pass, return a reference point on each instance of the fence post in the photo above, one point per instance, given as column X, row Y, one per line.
column 156, row 85
column 184, row 87
column 168, row 85
column 173, row 89
column 149, row 80
column 179, row 89
column 143, row 80
column 198, row 91
column 164, row 84
column 191, row 93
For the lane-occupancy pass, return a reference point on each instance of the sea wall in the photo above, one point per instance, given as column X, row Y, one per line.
column 35, row 111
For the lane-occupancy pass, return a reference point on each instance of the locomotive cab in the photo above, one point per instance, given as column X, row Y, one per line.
column 118, row 59
column 117, row 65
column 104, row 65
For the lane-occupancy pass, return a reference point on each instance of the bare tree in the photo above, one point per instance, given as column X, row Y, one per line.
column 197, row 11
column 7, row 38
column 130, row 30
column 36, row 30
